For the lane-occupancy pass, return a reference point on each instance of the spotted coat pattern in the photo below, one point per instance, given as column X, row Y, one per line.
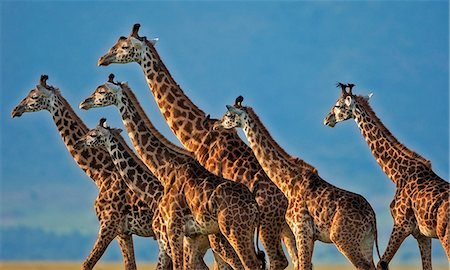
column 421, row 203
column 216, row 150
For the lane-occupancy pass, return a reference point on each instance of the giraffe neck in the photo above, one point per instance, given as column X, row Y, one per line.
column 395, row 159
column 134, row 172
column 185, row 119
column 94, row 162
column 154, row 149
column 282, row 168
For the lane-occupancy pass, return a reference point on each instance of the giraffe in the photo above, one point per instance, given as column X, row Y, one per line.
column 120, row 212
column 214, row 149
column 212, row 209
column 111, row 93
column 317, row 209
column 421, row 203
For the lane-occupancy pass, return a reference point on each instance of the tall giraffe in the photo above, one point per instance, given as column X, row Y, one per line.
column 120, row 212
column 140, row 180
column 317, row 209
column 421, row 203
column 212, row 148
column 217, row 206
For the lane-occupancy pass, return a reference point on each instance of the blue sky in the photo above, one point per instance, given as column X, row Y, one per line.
column 283, row 57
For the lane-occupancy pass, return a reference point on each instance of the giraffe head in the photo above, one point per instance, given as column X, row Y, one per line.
column 105, row 95
column 42, row 97
column 127, row 49
column 235, row 117
column 344, row 106
column 100, row 136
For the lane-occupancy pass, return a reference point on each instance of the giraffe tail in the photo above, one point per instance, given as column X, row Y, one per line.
column 375, row 232
column 259, row 253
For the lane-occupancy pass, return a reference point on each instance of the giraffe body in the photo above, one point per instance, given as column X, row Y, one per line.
column 317, row 209
column 197, row 202
column 421, row 203
column 216, row 150
column 121, row 213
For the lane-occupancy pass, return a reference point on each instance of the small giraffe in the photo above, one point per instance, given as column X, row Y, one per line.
column 198, row 202
column 121, row 213
column 317, row 209
column 421, row 203
column 212, row 148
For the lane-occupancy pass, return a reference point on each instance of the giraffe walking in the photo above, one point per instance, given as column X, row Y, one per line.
column 120, row 212
column 214, row 149
column 421, row 203
column 197, row 201
column 317, row 209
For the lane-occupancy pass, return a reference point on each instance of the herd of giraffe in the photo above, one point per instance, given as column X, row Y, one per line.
column 218, row 192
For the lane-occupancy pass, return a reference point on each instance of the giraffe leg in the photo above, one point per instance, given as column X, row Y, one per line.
column 272, row 222
column 354, row 251
column 105, row 235
column 127, row 248
column 304, row 236
column 289, row 240
column 194, row 251
column 175, row 235
column 353, row 239
column 398, row 235
column 220, row 264
column 443, row 226
column 164, row 260
column 425, row 251
column 222, row 248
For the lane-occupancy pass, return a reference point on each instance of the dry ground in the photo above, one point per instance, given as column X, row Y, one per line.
column 119, row 266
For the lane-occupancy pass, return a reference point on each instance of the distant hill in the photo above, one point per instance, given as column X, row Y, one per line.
column 22, row 243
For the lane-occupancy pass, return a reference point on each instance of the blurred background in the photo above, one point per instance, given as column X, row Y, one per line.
column 284, row 58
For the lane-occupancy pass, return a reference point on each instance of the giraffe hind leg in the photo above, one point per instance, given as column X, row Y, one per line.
column 127, row 249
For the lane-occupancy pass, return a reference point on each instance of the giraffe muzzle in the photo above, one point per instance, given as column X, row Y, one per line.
column 17, row 111
column 105, row 60
column 86, row 104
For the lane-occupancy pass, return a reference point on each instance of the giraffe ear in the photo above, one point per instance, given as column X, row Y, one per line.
column 348, row 100
column 116, row 130
column 234, row 110
column 136, row 42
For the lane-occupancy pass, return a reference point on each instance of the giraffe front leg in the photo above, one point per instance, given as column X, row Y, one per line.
column 219, row 263
column 304, row 236
column 175, row 234
column 425, row 251
column 105, row 235
column 398, row 235
column 127, row 249
column 194, row 251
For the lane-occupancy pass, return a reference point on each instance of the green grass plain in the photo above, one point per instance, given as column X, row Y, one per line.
column 150, row 266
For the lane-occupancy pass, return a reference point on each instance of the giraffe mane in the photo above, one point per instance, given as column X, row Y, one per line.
column 149, row 124
column 293, row 160
column 405, row 150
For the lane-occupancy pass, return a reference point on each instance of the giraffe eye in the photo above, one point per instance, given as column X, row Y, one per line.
column 35, row 97
column 125, row 47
